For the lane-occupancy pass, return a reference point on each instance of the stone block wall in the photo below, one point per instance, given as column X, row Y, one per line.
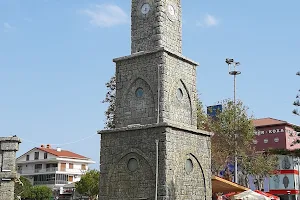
column 179, row 93
column 157, row 28
column 188, row 165
column 133, row 72
column 8, row 148
column 117, row 148
column 120, row 180
column 161, row 70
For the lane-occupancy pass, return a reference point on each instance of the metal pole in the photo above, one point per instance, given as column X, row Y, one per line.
column 234, row 72
column 158, row 94
column 235, row 136
column 156, row 178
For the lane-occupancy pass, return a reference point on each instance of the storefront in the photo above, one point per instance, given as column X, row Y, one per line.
column 285, row 181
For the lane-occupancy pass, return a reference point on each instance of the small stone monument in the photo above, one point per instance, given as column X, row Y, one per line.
column 8, row 148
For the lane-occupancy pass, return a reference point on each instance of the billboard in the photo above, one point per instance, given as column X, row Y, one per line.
column 212, row 111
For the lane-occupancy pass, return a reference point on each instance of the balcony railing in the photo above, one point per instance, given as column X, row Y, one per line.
column 51, row 169
column 61, row 182
column 73, row 170
column 44, row 182
column 33, row 171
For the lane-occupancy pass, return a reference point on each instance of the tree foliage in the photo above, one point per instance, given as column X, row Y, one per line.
column 234, row 126
column 23, row 188
column 89, row 184
column 297, row 101
column 201, row 116
column 258, row 164
column 41, row 192
column 294, row 152
column 110, row 99
column 233, row 120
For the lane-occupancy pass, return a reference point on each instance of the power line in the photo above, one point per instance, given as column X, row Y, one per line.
column 60, row 145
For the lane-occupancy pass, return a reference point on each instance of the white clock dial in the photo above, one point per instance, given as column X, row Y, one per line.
column 171, row 10
column 145, row 8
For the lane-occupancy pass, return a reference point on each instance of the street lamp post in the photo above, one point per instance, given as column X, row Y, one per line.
column 232, row 71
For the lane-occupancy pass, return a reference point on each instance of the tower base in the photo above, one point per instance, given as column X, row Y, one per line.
column 128, row 163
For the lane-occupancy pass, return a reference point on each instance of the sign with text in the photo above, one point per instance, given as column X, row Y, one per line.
column 273, row 131
column 213, row 111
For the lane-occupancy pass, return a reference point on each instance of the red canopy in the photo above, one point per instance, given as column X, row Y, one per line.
column 268, row 195
column 273, row 197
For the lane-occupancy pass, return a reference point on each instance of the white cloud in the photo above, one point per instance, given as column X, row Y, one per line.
column 208, row 21
column 7, row 26
column 106, row 15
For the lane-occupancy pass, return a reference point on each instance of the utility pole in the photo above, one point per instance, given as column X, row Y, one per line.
column 232, row 71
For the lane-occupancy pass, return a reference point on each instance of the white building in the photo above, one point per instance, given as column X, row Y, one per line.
column 52, row 167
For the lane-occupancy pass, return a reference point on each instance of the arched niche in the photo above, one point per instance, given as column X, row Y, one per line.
column 138, row 105
column 131, row 178
column 192, row 180
column 180, row 103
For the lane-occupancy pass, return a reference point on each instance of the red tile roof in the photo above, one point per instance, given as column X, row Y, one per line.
column 268, row 122
column 62, row 153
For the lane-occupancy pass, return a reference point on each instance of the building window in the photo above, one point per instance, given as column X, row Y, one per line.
column 276, row 139
column 179, row 94
column 63, row 167
column 19, row 168
column 139, row 92
column 266, row 141
column 71, row 178
column 132, row 164
column 189, row 165
column 36, row 155
column 27, row 157
column 45, row 155
column 255, row 141
column 38, row 168
column 83, row 167
column 51, row 167
column 71, row 166
column 48, row 179
column 61, row 179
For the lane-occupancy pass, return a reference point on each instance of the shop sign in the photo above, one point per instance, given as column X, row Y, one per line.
column 272, row 131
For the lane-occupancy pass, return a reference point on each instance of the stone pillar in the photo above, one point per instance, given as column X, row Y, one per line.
column 8, row 148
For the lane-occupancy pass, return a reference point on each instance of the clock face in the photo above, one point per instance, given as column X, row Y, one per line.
column 145, row 8
column 171, row 10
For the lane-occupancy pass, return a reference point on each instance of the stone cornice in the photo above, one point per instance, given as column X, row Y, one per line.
column 8, row 175
column 160, row 49
column 160, row 125
column 10, row 139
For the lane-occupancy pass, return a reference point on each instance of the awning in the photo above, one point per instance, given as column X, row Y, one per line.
column 249, row 195
column 220, row 185
column 273, row 197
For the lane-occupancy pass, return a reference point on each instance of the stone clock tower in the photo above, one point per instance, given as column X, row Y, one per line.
column 155, row 151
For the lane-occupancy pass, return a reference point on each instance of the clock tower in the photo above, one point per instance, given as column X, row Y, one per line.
column 155, row 149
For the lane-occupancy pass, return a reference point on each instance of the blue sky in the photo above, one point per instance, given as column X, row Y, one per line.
column 55, row 57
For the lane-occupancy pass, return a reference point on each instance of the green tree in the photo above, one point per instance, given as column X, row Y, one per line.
column 233, row 120
column 202, row 119
column 110, row 99
column 41, row 193
column 297, row 101
column 259, row 165
column 89, row 184
column 234, row 126
column 23, row 188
